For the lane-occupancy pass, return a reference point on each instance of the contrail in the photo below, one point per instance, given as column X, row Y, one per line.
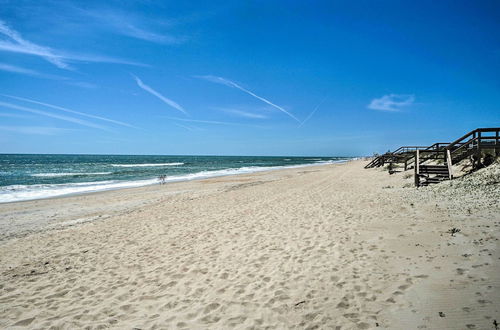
column 29, row 47
column 28, row 72
column 212, row 122
column 205, row 121
column 68, row 110
column 223, row 81
column 158, row 95
column 17, row 44
column 312, row 112
column 52, row 115
column 192, row 129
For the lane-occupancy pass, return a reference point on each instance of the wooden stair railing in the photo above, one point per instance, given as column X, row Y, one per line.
column 471, row 144
column 397, row 156
column 428, row 174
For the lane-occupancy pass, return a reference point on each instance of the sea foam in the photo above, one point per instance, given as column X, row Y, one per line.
column 54, row 175
column 14, row 193
column 147, row 165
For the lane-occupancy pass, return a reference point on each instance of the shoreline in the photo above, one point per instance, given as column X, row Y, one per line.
column 329, row 246
column 20, row 228
column 127, row 184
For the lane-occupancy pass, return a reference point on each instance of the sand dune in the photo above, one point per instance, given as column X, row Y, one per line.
column 329, row 247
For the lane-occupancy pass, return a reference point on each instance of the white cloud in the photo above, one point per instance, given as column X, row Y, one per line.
column 28, row 72
column 18, row 44
column 28, row 47
column 206, row 121
column 392, row 102
column 14, row 115
column 189, row 128
column 36, row 74
column 18, row 69
column 229, row 83
column 158, row 95
column 52, row 115
column 128, row 24
column 36, row 130
column 241, row 113
column 82, row 84
column 68, row 110
column 214, row 122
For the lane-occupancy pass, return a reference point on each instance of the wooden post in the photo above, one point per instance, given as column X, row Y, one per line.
column 417, row 169
column 496, row 143
column 448, row 161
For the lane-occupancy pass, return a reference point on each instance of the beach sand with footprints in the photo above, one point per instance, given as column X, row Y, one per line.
column 323, row 247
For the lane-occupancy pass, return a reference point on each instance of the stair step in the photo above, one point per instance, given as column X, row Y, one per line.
column 434, row 172
column 441, row 170
column 434, row 180
column 437, row 178
column 434, row 166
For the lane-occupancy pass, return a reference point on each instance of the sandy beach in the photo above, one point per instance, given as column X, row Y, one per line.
column 320, row 247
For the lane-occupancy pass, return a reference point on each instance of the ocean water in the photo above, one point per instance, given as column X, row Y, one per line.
column 26, row 177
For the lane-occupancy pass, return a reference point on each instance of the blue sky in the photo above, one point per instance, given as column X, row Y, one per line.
column 325, row 78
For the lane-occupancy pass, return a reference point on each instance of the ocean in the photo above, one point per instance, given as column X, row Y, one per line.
column 27, row 177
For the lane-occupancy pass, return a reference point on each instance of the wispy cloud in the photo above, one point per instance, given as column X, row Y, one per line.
column 68, row 110
column 36, row 74
column 17, row 44
column 36, row 130
column 129, row 25
column 52, row 115
column 312, row 112
column 229, row 83
column 158, row 95
column 100, row 59
column 241, row 113
column 189, row 128
column 392, row 102
column 28, row 72
column 82, row 84
column 212, row 122
column 29, row 47
column 14, row 115
column 204, row 121
column 136, row 32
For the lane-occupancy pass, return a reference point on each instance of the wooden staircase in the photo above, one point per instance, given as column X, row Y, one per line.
column 443, row 155
column 399, row 156
column 429, row 174
column 426, row 174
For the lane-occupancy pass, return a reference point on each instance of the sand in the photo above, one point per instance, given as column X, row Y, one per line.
column 323, row 247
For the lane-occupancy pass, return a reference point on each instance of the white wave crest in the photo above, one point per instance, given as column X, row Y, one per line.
column 54, row 175
column 16, row 193
column 147, row 165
